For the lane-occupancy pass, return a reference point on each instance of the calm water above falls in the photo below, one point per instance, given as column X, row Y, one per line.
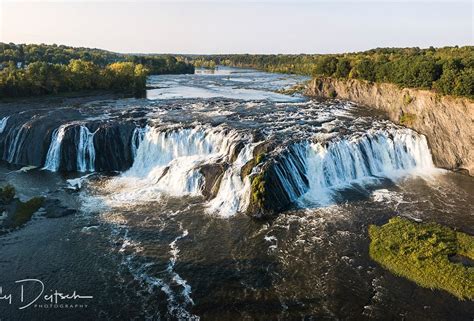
column 149, row 243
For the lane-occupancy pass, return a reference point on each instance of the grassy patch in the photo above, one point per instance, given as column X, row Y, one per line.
column 407, row 119
column 24, row 211
column 420, row 252
column 258, row 190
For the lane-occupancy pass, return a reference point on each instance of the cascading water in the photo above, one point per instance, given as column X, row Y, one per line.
column 53, row 157
column 137, row 137
column 387, row 154
column 164, row 255
column 85, row 150
column 16, row 143
column 234, row 193
column 169, row 161
column 3, row 123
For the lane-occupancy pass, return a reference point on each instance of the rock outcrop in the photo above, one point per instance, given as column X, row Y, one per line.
column 447, row 122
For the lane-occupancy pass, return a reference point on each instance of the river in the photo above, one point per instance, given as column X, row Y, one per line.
column 162, row 229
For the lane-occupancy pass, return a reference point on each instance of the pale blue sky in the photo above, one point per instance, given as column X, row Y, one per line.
column 230, row 26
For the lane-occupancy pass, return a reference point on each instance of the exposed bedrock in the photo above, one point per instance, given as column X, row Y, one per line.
column 25, row 139
column 279, row 181
column 212, row 179
column 446, row 121
column 235, row 171
column 75, row 146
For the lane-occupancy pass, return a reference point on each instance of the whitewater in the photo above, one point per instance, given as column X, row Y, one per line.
column 172, row 223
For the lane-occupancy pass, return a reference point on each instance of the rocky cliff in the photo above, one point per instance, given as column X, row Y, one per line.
column 446, row 121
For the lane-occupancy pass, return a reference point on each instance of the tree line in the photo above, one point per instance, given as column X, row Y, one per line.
column 29, row 70
column 448, row 70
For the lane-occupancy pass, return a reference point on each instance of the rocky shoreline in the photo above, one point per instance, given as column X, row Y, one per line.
column 446, row 121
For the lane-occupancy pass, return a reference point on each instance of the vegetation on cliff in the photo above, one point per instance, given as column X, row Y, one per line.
column 448, row 70
column 422, row 253
column 30, row 70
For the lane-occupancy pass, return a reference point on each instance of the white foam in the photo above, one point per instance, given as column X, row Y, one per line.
column 85, row 150
column 168, row 163
column 234, row 193
column 3, row 123
column 390, row 154
column 53, row 157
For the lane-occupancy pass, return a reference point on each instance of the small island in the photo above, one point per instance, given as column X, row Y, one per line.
column 425, row 254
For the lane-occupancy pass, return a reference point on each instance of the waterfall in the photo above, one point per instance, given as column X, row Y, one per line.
column 85, row 150
column 3, row 123
column 137, row 137
column 168, row 162
column 234, row 193
column 53, row 157
column 160, row 148
column 16, row 143
column 388, row 154
column 290, row 171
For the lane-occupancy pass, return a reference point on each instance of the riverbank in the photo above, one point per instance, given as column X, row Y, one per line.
column 446, row 121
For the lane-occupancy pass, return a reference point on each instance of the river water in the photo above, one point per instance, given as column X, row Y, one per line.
column 146, row 243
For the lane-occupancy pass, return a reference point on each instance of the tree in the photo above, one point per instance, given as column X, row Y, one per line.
column 343, row 68
column 364, row 69
column 326, row 66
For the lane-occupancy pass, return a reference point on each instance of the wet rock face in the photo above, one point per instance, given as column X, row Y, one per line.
column 68, row 158
column 212, row 178
column 286, row 179
column 26, row 140
column 446, row 121
column 113, row 139
column 280, row 182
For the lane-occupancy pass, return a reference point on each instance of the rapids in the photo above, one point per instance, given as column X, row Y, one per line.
column 164, row 193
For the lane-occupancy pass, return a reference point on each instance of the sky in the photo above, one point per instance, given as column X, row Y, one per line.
column 232, row 26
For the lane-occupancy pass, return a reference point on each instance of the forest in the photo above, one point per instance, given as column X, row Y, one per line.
column 30, row 70
column 447, row 70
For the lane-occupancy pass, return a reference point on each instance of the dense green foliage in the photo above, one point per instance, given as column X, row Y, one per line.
column 203, row 63
column 421, row 252
column 448, row 70
column 160, row 65
column 40, row 78
column 28, row 70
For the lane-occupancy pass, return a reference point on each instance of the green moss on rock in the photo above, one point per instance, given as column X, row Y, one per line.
column 248, row 167
column 332, row 93
column 407, row 119
column 260, row 158
column 420, row 252
column 258, row 190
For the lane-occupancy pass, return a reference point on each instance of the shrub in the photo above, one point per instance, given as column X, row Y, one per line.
column 407, row 119
column 420, row 253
